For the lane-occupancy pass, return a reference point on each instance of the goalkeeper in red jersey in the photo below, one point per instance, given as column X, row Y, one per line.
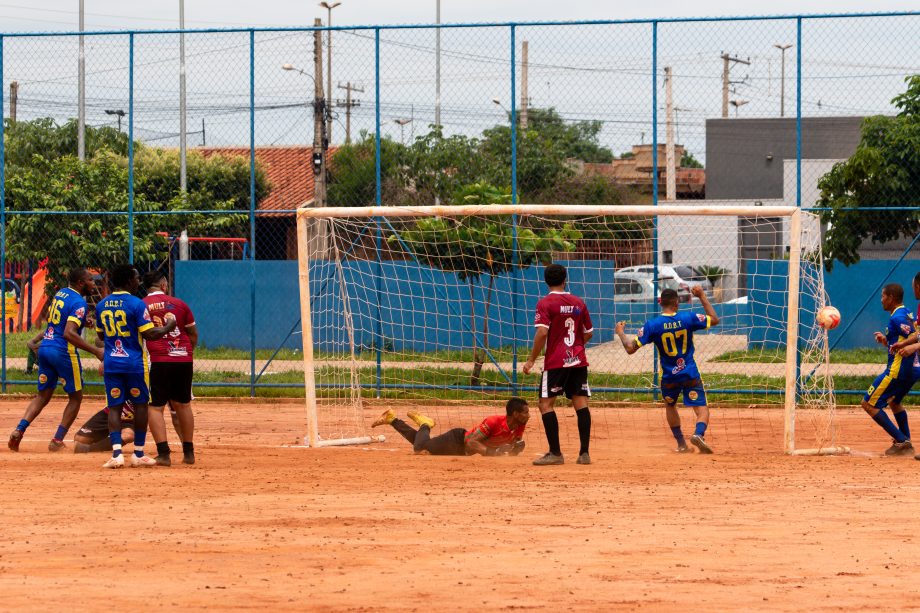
column 495, row 435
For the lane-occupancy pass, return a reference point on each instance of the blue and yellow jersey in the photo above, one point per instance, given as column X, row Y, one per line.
column 900, row 325
column 67, row 305
column 673, row 335
column 121, row 318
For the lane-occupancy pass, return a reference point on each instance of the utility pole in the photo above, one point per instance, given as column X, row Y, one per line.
column 671, row 184
column 183, row 143
column 319, row 120
column 329, row 6
column 14, row 99
column 727, row 62
column 437, row 69
column 348, row 103
column 524, row 67
column 782, row 80
column 81, row 94
column 203, row 141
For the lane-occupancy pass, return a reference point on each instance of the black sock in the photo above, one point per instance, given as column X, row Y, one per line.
column 188, row 448
column 551, row 426
column 163, row 448
column 584, row 428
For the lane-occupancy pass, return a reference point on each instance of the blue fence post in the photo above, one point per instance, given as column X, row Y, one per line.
column 798, row 188
column 515, row 271
column 252, row 213
column 3, row 226
column 655, row 192
column 378, row 201
column 131, row 148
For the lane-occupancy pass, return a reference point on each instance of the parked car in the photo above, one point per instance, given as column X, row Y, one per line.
column 686, row 276
column 640, row 287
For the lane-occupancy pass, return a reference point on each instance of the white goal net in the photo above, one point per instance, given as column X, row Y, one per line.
column 431, row 309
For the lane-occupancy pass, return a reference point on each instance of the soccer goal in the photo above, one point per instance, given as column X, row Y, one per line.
column 432, row 308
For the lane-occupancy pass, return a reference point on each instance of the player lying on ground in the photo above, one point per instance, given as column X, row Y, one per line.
column 564, row 327
column 496, row 435
column 94, row 434
column 171, row 369
column 123, row 323
column 890, row 387
column 59, row 358
column 672, row 333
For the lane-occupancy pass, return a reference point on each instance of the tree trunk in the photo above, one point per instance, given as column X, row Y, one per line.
column 479, row 358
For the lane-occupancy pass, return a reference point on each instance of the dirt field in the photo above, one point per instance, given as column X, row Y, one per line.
column 257, row 523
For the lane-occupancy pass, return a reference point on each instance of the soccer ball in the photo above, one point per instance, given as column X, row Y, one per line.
column 828, row 317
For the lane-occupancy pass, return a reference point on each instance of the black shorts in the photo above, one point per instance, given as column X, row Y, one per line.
column 568, row 381
column 97, row 427
column 170, row 381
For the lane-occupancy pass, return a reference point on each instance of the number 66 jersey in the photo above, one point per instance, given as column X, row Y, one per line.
column 568, row 320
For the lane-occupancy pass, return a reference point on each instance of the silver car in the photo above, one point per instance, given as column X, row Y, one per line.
column 685, row 276
column 639, row 287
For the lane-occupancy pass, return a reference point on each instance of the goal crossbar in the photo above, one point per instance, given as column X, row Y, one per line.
column 543, row 209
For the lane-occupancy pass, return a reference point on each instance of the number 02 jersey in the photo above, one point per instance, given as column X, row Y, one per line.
column 568, row 321
column 122, row 317
column 673, row 335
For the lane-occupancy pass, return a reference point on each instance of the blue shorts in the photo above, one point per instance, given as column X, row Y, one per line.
column 692, row 390
column 121, row 386
column 55, row 366
column 885, row 389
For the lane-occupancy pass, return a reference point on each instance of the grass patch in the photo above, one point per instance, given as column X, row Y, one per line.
column 777, row 355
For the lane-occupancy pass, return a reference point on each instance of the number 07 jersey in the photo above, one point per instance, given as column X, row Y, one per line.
column 673, row 335
column 122, row 317
column 568, row 321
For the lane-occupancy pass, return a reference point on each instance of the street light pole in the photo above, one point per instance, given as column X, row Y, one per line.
column 782, row 79
column 329, row 6
column 183, row 179
column 81, row 95
column 118, row 113
column 402, row 128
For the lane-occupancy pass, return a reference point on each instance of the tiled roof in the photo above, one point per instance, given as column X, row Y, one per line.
column 289, row 170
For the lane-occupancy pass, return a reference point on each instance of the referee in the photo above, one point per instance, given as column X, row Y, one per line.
column 171, row 368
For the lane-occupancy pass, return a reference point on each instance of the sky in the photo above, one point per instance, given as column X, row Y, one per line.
column 61, row 15
column 850, row 67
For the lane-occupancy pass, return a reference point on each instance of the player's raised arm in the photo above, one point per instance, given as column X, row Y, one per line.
column 630, row 345
column 697, row 290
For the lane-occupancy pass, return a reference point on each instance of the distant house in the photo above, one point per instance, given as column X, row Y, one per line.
column 636, row 170
column 290, row 172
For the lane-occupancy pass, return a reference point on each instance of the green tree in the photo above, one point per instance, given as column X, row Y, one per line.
column 474, row 246
column 688, row 161
column 883, row 172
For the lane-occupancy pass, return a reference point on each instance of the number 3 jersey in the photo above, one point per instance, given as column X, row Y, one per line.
column 568, row 321
column 673, row 335
column 67, row 305
column 122, row 317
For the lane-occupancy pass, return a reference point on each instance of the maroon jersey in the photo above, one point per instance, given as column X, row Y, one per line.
column 568, row 321
column 175, row 346
column 497, row 432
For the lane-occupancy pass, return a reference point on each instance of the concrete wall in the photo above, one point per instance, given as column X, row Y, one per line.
column 425, row 309
column 745, row 157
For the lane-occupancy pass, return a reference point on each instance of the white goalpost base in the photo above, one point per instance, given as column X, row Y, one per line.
column 429, row 303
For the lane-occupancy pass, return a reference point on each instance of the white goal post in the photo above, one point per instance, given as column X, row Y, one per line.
column 345, row 276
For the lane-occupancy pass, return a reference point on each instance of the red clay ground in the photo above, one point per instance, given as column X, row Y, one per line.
column 256, row 524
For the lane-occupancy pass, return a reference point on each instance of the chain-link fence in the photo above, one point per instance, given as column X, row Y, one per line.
column 199, row 147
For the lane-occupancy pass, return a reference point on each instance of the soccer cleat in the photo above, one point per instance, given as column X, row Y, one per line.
column 385, row 419
column 700, row 444
column 905, row 448
column 145, row 461
column 118, row 462
column 420, row 420
column 549, row 459
column 682, row 448
column 56, row 445
column 188, row 458
column 15, row 439
column 163, row 460
column 583, row 459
